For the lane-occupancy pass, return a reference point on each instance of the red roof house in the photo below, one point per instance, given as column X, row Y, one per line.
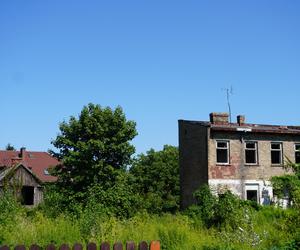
column 37, row 162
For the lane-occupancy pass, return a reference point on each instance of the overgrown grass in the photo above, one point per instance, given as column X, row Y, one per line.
column 260, row 228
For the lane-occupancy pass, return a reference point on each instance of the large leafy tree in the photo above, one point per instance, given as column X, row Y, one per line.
column 93, row 148
column 156, row 178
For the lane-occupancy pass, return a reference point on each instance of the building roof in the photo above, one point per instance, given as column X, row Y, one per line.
column 7, row 171
column 37, row 162
column 219, row 122
column 256, row 128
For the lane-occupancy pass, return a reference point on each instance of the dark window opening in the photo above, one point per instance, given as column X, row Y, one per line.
column 251, row 153
column 276, row 153
column 27, row 195
column 251, row 195
column 222, row 152
column 297, row 153
column 275, row 157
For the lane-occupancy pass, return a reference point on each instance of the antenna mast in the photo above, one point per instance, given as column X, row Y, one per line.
column 229, row 92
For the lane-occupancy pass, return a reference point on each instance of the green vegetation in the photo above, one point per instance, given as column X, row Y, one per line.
column 102, row 194
column 248, row 227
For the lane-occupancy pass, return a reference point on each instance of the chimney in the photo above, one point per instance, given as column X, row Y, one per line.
column 220, row 118
column 23, row 153
column 240, row 119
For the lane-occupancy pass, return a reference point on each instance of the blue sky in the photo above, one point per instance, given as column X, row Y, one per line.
column 159, row 60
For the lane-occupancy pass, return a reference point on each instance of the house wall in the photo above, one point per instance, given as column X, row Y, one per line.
column 236, row 175
column 192, row 159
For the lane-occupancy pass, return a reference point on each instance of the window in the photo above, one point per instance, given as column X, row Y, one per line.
column 251, row 195
column 297, row 153
column 223, row 152
column 252, row 192
column 251, row 153
column 276, row 153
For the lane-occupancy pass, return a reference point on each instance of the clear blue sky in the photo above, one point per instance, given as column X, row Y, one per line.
column 160, row 60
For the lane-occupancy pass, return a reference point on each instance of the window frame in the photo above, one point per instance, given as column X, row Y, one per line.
column 295, row 150
column 250, row 149
column 277, row 150
column 228, row 152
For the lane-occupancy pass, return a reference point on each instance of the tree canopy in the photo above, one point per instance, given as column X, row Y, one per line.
column 93, row 148
column 156, row 178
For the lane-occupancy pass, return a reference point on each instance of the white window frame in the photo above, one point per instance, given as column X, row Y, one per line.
column 296, row 150
column 252, row 187
column 278, row 150
column 228, row 152
column 251, row 149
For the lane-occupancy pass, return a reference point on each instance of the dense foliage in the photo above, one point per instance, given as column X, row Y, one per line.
column 94, row 149
column 156, row 179
column 288, row 186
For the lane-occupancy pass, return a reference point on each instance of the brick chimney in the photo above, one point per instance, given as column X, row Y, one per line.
column 240, row 119
column 220, row 118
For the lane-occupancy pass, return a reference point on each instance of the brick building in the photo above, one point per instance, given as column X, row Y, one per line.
column 237, row 156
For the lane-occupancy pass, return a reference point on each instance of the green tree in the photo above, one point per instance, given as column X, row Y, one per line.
column 10, row 147
column 288, row 185
column 93, row 149
column 156, row 178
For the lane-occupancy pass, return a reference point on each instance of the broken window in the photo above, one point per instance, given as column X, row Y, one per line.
column 223, row 152
column 252, row 192
column 276, row 153
column 27, row 195
column 251, row 195
column 251, row 152
column 297, row 153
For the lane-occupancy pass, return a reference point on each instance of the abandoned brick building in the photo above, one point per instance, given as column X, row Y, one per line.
column 239, row 156
column 26, row 172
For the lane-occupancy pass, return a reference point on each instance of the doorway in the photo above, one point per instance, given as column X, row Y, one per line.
column 27, row 195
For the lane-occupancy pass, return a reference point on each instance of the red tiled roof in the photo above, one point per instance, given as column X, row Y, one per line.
column 37, row 162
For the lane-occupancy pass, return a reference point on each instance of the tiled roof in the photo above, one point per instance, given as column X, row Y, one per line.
column 37, row 162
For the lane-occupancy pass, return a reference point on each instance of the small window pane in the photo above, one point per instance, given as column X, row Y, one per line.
column 297, row 157
column 275, row 146
column 251, row 156
column 250, row 145
column 222, row 144
column 276, row 157
column 297, row 153
column 251, row 195
column 222, row 156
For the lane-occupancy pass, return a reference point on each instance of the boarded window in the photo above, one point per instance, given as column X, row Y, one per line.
column 276, row 153
column 223, row 152
column 297, row 153
column 251, row 152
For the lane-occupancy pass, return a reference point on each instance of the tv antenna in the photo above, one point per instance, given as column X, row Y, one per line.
column 229, row 92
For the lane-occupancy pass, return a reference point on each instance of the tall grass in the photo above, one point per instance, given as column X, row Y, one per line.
column 267, row 228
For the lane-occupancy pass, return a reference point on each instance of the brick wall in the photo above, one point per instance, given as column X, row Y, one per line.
column 192, row 159
column 237, row 169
